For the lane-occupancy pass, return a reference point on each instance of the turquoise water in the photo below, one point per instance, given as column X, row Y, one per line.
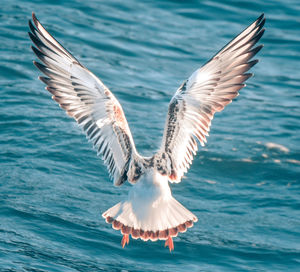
column 243, row 186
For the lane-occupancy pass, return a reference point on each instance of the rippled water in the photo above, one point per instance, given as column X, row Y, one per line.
column 243, row 186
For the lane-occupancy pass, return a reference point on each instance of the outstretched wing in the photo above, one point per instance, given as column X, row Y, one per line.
column 87, row 100
column 208, row 90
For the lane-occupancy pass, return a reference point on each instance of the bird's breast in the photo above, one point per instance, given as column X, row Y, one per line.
column 151, row 187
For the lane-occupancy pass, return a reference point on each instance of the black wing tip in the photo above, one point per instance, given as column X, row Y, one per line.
column 258, row 36
column 31, row 36
column 44, row 79
column 38, row 53
column 260, row 17
column 252, row 63
column 35, row 20
column 256, row 49
column 261, row 25
column 263, row 21
column 36, row 64
column 35, row 50
column 260, row 21
column 247, row 76
column 261, row 33
column 34, row 17
column 30, row 23
column 40, row 66
column 31, row 26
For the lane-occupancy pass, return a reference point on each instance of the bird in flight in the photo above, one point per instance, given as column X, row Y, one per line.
column 149, row 212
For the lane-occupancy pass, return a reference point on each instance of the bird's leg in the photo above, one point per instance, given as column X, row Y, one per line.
column 169, row 243
column 125, row 240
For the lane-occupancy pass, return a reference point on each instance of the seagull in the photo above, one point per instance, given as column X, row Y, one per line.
column 149, row 212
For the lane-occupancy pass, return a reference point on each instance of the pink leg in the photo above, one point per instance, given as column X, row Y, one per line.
column 169, row 243
column 125, row 240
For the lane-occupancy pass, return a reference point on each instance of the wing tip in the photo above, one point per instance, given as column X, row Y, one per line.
column 262, row 31
column 33, row 48
column 260, row 21
column 30, row 24
column 49, row 89
column 44, row 79
column 39, row 66
column 262, row 16
column 248, row 75
column 252, row 63
column 33, row 37
column 35, row 20
column 36, row 51
column 256, row 49
column 29, row 34
column 260, row 47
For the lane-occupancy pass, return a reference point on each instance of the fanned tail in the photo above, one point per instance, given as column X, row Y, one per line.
column 162, row 219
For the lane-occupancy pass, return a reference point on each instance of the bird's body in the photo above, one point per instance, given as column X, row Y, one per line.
column 150, row 212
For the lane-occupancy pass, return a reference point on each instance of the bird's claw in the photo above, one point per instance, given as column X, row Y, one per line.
column 169, row 243
column 125, row 240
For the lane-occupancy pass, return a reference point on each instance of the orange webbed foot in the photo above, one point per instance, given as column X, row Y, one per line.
column 125, row 240
column 169, row 243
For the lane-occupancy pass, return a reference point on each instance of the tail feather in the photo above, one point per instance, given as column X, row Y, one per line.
column 159, row 220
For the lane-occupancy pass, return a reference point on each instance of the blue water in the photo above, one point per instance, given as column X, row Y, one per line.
column 243, row 186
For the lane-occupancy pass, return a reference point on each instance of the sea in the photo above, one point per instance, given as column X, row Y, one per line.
column 244, row 185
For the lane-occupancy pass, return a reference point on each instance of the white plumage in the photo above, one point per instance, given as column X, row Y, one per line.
column 150, row 207
column 150, row 211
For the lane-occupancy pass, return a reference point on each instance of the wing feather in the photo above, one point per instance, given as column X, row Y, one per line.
column 208, row 90
column 87, row 100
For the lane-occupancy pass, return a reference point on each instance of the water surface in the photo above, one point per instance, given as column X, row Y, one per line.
column 243, row 186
